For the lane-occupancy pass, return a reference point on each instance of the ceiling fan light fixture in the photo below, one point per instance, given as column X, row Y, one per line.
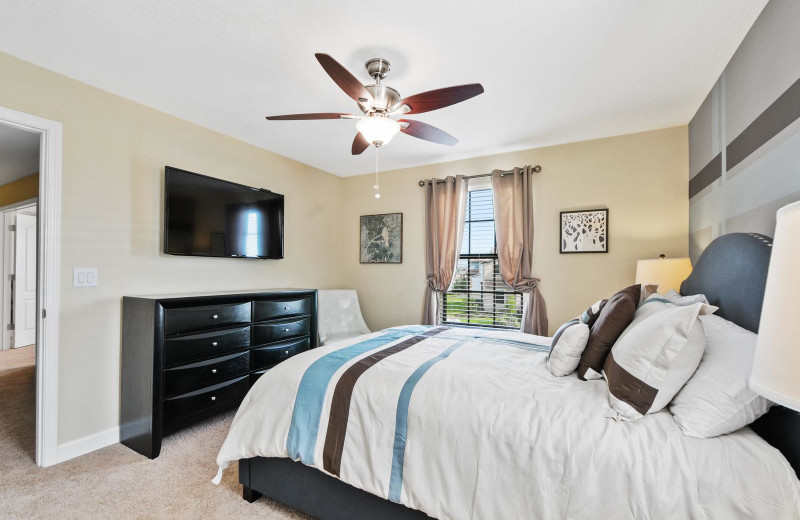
column 378, row 129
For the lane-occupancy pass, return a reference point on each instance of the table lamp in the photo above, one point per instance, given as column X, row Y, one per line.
column 667, row 273
column 776, row 367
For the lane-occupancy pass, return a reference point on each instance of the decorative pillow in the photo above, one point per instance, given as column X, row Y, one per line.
column 567, row 347
column 653, row 358
column 683, row 301
column 614, row 317
column 717, row 399
column 675, row 297
column 570, row 341
column 591, row 314
column 647, row 291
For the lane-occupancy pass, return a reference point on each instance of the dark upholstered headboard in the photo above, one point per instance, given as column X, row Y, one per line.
column 732, row 273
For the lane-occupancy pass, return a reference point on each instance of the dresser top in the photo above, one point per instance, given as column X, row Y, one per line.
column 178, row 296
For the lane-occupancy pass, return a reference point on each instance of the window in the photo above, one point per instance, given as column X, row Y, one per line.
column 478, row 296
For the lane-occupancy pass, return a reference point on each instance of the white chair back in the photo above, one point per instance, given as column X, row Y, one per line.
column 339, row 315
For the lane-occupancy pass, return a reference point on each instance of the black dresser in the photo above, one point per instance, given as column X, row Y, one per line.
column 188, row 357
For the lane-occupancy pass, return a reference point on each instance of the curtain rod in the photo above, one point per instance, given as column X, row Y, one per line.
column 535, row 169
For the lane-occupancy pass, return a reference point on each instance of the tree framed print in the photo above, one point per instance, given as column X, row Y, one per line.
column 584, row 231
column 381, row 239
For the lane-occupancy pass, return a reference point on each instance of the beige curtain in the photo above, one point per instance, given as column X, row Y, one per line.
column 513, row 222
column 445, row 203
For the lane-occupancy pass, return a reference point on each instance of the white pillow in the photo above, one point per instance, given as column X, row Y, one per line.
column 653, row 359
column 568, row 344
column 717, row 399
column 676, row 297
column 570, row 341
column 683, row 301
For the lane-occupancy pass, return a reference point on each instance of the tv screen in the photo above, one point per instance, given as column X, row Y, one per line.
column 211, row 217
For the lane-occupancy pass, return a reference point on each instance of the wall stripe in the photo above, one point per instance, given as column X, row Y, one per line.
column 307, row 411
column 342, row 394
column 401, row 422
column 781, row 113
column 710, row 172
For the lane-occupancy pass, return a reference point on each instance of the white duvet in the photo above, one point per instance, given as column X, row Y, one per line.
column 466, row 424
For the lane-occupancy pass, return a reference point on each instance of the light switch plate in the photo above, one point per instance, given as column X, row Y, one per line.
column 84, row 277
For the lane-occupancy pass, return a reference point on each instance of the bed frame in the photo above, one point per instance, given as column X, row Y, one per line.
column 731, row 272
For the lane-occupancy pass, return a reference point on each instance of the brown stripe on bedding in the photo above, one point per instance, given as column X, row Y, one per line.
column 628, row 388
column 340, row 403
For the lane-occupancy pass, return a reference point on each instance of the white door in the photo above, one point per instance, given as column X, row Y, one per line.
column 25, row 282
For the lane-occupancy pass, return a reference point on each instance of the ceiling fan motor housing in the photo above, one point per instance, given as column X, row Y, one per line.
column 385, row 98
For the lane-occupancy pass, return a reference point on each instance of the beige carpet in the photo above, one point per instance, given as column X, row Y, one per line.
column 114, row 482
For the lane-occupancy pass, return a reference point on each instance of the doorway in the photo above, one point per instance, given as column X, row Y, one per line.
column 19, row 181
column 30, row 304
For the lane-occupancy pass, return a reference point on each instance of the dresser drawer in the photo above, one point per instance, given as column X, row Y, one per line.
column 265, row 357
column 190, row 319
column 198, row 346
column 221, row 395
column 270, row 310
column 204, row 373
column 278, row 330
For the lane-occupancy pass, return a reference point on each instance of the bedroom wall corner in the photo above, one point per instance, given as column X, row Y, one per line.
column 642, row 178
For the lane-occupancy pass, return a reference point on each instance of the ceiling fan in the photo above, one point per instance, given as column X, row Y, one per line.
column 380, row 103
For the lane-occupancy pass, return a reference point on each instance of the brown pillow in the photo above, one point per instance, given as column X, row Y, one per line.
column 616, row 315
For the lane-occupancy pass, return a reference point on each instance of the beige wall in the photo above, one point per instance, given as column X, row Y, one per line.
column 642, row 179
column 114, row 156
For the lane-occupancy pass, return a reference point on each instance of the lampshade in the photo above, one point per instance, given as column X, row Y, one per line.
column 776, row 368
column 667, row 273
column 378, row 129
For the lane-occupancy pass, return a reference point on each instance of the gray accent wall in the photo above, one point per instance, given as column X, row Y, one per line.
column 744, row 140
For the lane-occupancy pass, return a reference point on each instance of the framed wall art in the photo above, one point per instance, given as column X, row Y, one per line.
column 381, row 239
column 584, row 231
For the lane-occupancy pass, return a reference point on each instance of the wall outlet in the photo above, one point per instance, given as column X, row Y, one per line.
column 84, row 277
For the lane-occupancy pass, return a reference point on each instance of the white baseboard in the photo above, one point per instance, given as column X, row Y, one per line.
column 88, row 444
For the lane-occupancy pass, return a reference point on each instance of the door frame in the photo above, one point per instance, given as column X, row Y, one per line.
column 6, row 242
column 47, row 277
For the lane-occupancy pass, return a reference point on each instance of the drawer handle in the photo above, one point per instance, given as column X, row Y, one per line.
column 213, row 370
column 286, row 352
column 214, row 344
column 285, row 330
column 215, row 316
column 213, row 398
column 286, row 308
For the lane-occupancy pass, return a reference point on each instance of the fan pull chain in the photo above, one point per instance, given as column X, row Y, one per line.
column 377, row 184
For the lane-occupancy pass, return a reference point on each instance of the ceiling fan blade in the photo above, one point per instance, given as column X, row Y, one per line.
column 346, row 81
column 359, row 144
column 427, row 132
column 304, row 117
column 440, row 98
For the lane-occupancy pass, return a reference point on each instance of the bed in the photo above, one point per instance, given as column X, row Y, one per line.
column 457, row 423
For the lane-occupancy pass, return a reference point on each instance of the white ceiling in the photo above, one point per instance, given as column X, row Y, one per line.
column 19, row 153
column 554, row 71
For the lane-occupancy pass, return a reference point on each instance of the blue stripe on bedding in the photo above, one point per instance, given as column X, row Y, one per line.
column 307, row 412
column 401, row 422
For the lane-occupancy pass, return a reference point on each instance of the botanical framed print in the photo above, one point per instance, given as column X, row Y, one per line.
column 584, row 231
column 381, row 239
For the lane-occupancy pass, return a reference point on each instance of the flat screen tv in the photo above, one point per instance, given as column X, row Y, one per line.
column 205, row 216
